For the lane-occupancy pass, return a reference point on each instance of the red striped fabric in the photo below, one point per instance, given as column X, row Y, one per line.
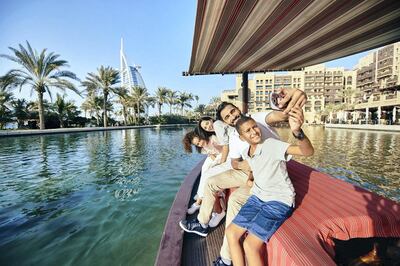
column 328, row 208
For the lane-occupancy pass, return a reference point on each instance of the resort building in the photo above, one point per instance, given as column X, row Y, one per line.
column 130, row 75
column 368, row 93
column 377, row 97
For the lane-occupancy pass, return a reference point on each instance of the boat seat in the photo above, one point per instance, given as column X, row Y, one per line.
column 326, row 209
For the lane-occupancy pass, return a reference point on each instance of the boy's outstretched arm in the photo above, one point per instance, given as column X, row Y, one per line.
column 303, row 146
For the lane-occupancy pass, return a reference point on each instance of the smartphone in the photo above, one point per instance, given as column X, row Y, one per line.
column 274, row 99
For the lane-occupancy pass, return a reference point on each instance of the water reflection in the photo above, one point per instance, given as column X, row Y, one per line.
column 365, row 158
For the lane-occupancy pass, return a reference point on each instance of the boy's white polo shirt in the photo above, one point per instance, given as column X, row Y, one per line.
column 237, row 146
column 271, row 179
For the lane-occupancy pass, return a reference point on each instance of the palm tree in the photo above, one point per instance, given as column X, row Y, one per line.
column 21, row 111
column 41, row 72
column 85, row 107
column 213, row 105
column 60, row 106
column 72, row 112
column 6, row 98
column 171, row 98
column 94, row 105
column 161, row 98
column 184, row 100
column 347, row 94
column 104, row 81
column 150, row 102
column 123, row 99
column 139, row 97
column 201, row 108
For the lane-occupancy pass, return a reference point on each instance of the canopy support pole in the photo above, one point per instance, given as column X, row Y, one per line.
column 245, row 92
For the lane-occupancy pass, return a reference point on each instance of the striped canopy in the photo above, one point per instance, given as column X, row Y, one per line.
column 235, row 36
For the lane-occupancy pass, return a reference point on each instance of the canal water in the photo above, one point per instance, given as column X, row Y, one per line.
column 102, row 198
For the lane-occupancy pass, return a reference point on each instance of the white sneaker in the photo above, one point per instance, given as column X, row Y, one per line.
column 193, row 208
column 216, row 218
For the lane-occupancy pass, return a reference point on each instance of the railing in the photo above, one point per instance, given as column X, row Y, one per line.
column 391, row 96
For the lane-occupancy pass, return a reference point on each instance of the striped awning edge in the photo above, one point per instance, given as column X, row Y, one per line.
column 235, row 36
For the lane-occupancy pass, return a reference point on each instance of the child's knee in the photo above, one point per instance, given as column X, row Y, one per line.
column 251, row 247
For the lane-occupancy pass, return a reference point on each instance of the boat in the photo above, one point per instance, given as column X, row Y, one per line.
column 328, row 211
column 247, row 36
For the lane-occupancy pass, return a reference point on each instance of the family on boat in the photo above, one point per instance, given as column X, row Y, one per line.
column 246, row 155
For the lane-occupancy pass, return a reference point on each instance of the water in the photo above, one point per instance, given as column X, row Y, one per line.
column 369, row 159
column 102, row 198
column 98, row 198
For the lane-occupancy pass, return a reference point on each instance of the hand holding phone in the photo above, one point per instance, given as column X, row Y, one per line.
column 274, row 99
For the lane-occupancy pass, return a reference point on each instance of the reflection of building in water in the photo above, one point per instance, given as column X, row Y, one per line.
column 130, row 75
column 370, row 92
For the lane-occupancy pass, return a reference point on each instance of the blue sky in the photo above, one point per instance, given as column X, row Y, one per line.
column 157, row 35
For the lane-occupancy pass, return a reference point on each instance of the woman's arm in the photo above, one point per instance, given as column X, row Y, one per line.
column 224, row 154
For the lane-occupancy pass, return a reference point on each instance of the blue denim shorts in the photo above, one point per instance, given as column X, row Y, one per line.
column 261, row 218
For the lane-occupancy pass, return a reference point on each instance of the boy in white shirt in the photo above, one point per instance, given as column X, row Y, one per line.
column 272, row 199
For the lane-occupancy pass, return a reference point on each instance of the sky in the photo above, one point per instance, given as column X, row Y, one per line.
column 157, row 36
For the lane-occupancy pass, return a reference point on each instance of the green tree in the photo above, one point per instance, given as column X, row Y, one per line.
column 6, row 114
column 201, row 109
column 104, row 80
column 123, row 99
column 161, row 98
column 42, row 72
column 60, row 106
column 171, row 98
column 139, row 97
column 184, row 100
column 72, row 112
column 21, row 112
column 150, row 102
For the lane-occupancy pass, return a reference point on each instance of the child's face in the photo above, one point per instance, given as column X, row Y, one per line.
column 198, row 142
column 207, row 125
column 250, row 132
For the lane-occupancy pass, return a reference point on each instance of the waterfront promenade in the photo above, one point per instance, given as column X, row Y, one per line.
column 395, row 128
column 28, row 132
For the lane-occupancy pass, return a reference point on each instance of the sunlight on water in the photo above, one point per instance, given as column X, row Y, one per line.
column 365, row 158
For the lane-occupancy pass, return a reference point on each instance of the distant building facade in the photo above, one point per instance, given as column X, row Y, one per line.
column 371, row 91
column 130, row 75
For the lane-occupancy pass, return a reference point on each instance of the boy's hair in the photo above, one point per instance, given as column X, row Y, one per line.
column 187, row 141
column 201, row 132
column 243, row 119
column 220, row 107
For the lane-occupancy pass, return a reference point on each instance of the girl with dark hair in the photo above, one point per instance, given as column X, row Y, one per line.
column 208, row 127
column 204, row 145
